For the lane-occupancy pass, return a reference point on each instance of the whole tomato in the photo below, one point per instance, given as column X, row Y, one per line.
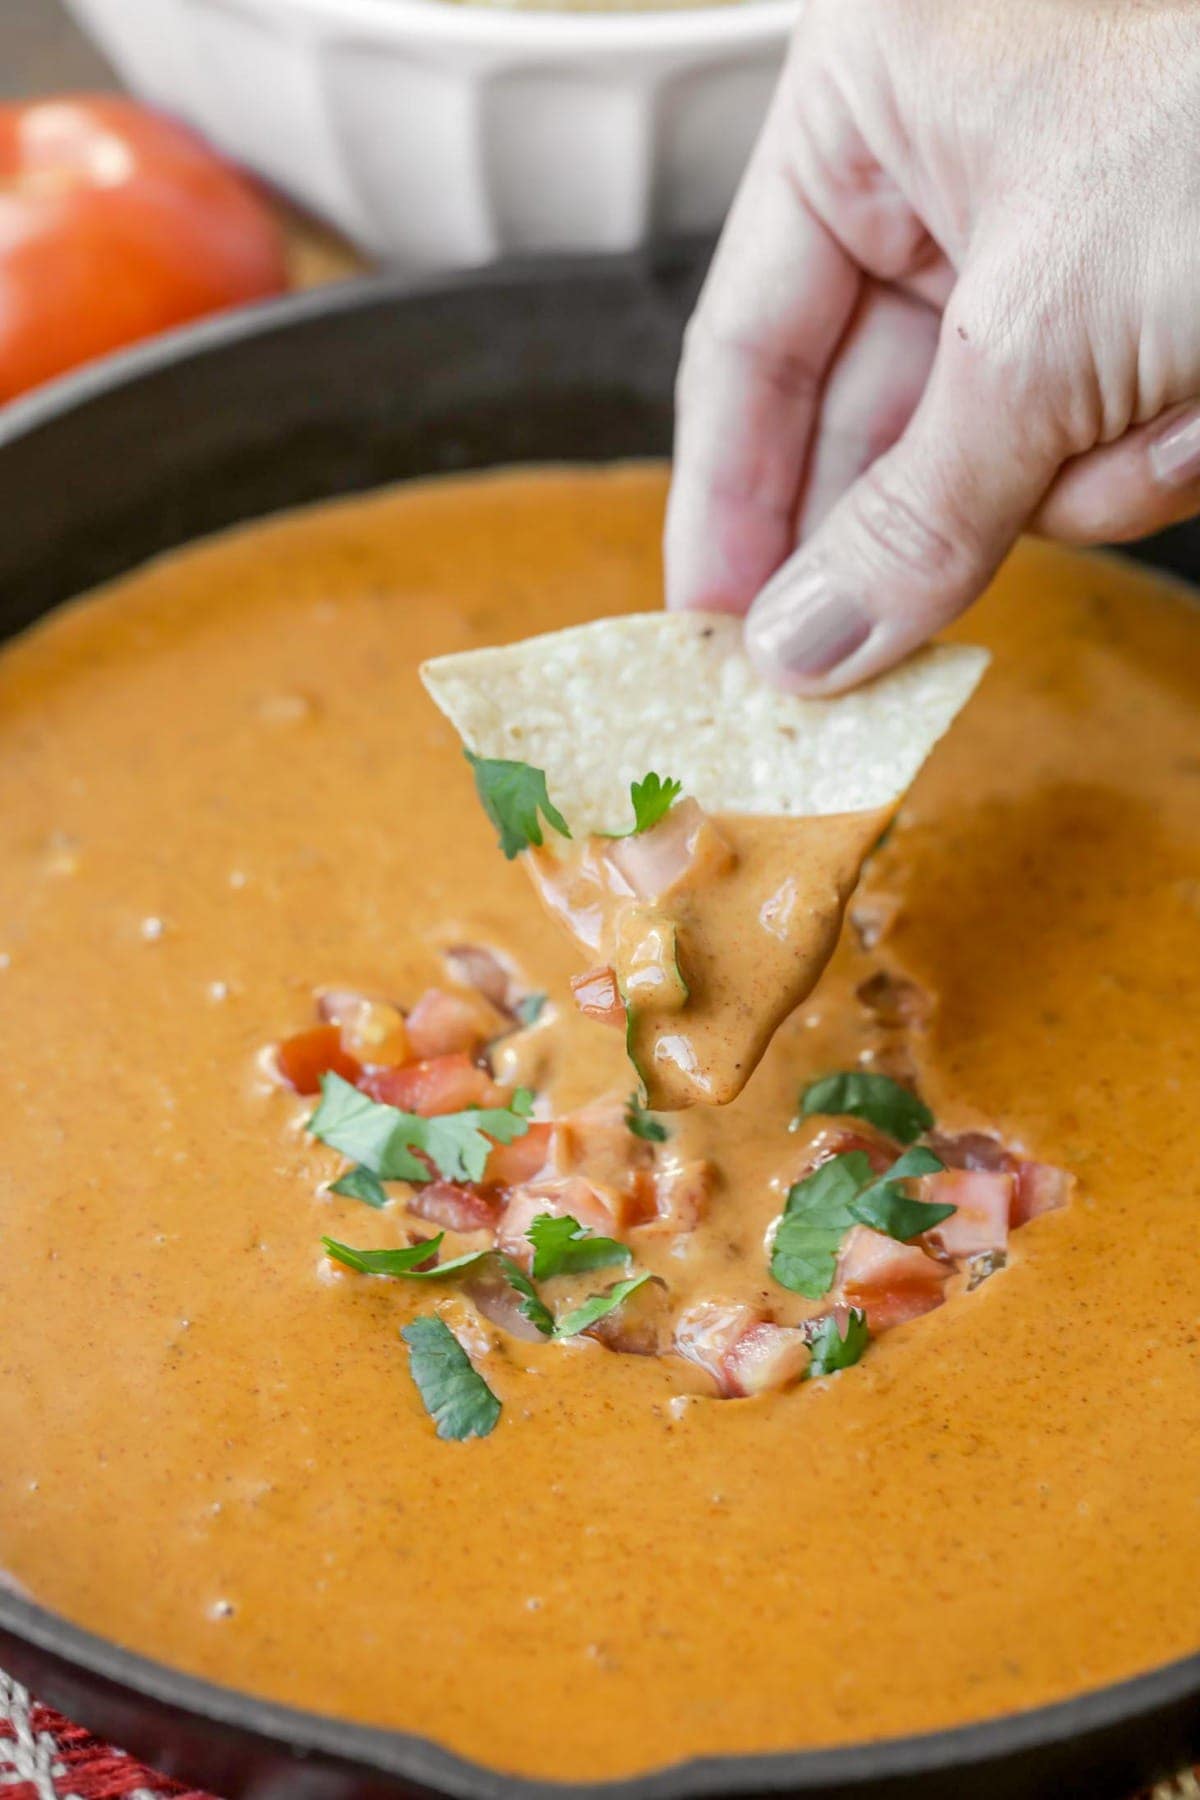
column 116, row 223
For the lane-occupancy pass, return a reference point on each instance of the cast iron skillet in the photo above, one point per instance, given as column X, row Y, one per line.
column 321, row 396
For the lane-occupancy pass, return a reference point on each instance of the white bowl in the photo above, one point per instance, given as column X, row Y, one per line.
column 444, row 135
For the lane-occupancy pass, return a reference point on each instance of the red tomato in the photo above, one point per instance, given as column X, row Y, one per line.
column 303, row 1059
column 1040, row 1188
column 116, row 223
column 508, row 1165
column 891, row 1282
column 598, row 997
column 447, row 1084
column 441, row 1024
column 456, row 1206
column 982, row 1201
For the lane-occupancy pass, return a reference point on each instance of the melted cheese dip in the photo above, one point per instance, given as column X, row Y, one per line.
column 223, row 789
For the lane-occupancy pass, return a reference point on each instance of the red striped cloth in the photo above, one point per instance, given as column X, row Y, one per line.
column 44, row 1757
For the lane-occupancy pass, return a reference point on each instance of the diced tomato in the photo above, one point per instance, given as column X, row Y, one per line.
column 826, row 1138
column 894, row 1000
column 982, row 1201
column 456, row 1206
column 685, row 843
column 682, row 1195
column 598, row 997
column 1040, row 1188
column 707, row 1333
column 766, row 1358
column 973, row 1150
column 570, row 1197
column 891, row 1282
column 447, row 1084
column 477, row 967
column 743, row 1351
column 442, row 1024
column 596, row 1143
column 304, row 1058
column 508, row 1165
column 498, row 1300
column 641, row 1325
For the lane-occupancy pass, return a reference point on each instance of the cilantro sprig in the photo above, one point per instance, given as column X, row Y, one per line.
column 398, row 1146
column 886, row 1208
column 642, row 1124
column 532, row 1306
column 838, row 1194
column 408, row 1260
column 360, row 1184
column 652, row 798
column 832, row 1349
column 562, row 1246
column 816, row 1218
column 582, row 1318
column 455, row 1395
column 876, row 1098
column 515, row 799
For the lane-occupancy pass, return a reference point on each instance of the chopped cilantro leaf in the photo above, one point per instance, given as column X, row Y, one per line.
column 385, row 1140
column 530, row 1007
column 404, row 1260
column 838, row 1194
column 886, row 1209
column 513, row 795
column 580, row 1318
column 379, row 1137
column 816, row 1218
column 876, row 1098
column 360, row 1184
column 562, row 1246
column 460, row 1143
column 533, row 1307
column 653, row 797
column 831, row 1351
column 456, row 1397
column 642, row 1125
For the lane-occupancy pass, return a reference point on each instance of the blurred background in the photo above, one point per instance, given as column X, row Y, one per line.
column 41, row 51
column 163, row 159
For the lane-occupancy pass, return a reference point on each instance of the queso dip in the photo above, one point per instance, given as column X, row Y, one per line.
column 227, row 800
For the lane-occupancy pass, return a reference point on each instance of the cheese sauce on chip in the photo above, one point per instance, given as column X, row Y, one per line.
column 866, row 1404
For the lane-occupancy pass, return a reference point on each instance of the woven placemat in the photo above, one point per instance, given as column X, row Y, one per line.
column 44, row 1757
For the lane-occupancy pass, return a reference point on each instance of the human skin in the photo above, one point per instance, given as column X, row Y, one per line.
column 956, row 297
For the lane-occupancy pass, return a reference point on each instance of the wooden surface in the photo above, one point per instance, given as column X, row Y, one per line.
column 43, row 52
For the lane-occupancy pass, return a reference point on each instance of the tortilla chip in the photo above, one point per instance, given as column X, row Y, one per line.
column 599, row 705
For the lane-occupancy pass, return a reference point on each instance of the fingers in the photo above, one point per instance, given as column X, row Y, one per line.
column 1146, row 480
column 880, row 371
column 776, row 304
column 916, row 538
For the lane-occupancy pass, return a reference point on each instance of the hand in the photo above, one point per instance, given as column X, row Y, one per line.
column 957, row 295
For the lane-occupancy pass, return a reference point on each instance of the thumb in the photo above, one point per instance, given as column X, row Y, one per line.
column 916, row 538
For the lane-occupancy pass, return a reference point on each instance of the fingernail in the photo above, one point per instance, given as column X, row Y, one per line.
column 1175, row 456
column 805, row 627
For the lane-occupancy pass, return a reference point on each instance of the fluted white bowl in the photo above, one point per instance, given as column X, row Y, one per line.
column 444, row 135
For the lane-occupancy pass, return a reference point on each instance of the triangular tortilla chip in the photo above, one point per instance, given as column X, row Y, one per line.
column 793, row 795
column 598, row 705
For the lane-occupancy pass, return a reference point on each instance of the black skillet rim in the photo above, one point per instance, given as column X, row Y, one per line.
column 1165, row 1698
